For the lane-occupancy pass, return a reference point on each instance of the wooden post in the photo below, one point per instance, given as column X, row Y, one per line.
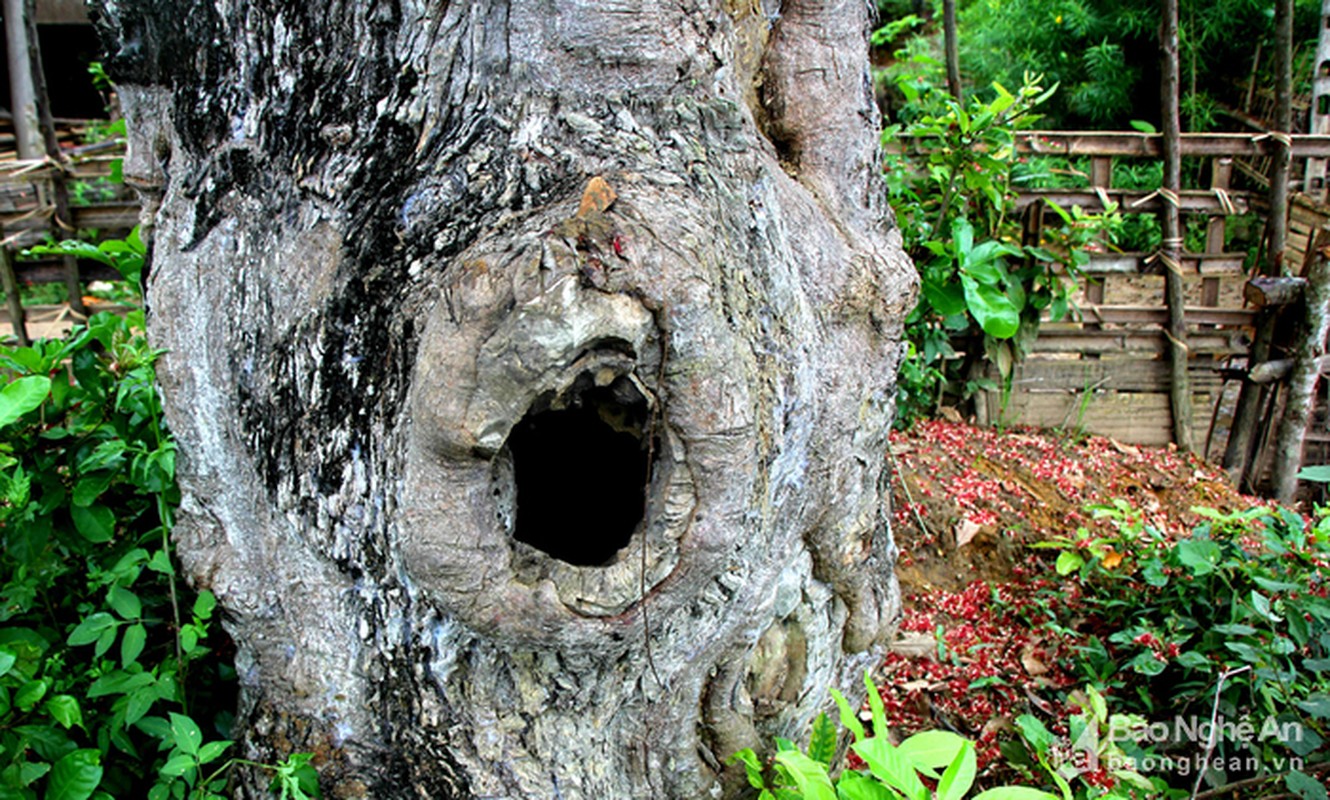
column 1171, row 251
column 1238, row 454
column 22, row 89
column 1221, row 172
column 62, row 226
column 1302, row 381
column 949, row 44
column 17, row 318
column 1101, row 176
column 1314, row 178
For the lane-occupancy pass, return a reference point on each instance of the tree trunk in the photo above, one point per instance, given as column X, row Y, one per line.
column 532, row 367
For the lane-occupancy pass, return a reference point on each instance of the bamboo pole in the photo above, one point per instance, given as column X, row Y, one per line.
column 21, row 86
column 1302, row 381
column 1171, row 251
column 950, row 45
column 62, row 226
column 17, row 316
column 1238, row 453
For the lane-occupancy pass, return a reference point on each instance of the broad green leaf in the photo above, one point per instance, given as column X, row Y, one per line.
column 75, row 776
column 131, row 644
column 90, row 487
column 1304, row 785
column 204, row 604
column 809, row 775
column 177, row 766
column 875, row 706
column 161, row 562
column 1200, row 556
column 1035, row 733
column 853, row 786
column 932, row 750
column 7, row 659
column 120, row 682
column 213, row 750
column 21, row 396
column 65, row 710
column 1068, row 562
column 1319, row 473
column 891, row 767
column 959, row 777
column 991, row 308
column 946, row 299
column 186, row 733
column 139, row 703
column 125, row 603
column 1318, row 705
column 96, row 522
column 1262, row 605
column 30, row 694
column 822, row 740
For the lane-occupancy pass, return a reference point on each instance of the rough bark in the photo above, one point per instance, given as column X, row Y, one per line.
column 381, row 268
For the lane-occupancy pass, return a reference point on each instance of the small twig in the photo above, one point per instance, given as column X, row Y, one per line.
column 1214, row 727
column 905, row 487
column 1248, row 783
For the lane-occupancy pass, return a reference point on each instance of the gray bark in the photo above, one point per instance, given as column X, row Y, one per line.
column 1303, row 377
column 379, row 259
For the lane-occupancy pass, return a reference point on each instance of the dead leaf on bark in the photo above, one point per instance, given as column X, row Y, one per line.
column 598, row 196
column 1125, row 449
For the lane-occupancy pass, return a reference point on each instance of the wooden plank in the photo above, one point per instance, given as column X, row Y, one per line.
column 103, row 216
column 1156, row 315
column 1134, row 418
column 1055, row 339
column 1136, row 200
column 1205, row 264
column 1059, row 376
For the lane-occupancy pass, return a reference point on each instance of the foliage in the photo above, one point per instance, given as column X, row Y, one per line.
column 1245, row 598
column 110, row 681
column 892, row 771
column 980, row 284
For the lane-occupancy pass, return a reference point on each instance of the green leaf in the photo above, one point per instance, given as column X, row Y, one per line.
column 125, row 603
column 21, row 396
column 932, row 750
column 1147, row 663
column 30, row 694
column 809, row 775
column 65, row 710
column 1317, row 664
column 1319, row 473
column 991, row 308
column 204, row 604
column 186, row 733
column 1034, row 732
column 96, row 522
column 1068, row 562
column 848, row 717
column 177, row 766
column 120, row 682
column 1304, row 785
column 161, row 562
column 1262, row 605
column 90, row 487
column 959, row 777
column 1234, row 629
column 1200, row 556
column 1142, row 126
column 90, row 628
column 1318, row 705
column 212, row 751
column 891, row 767
column 139, row 703
column 104, row 643
column 131, row 645
column 853, row 786
column 822, row 740
column 752, row 766
column 7, row 660
column 75, row 776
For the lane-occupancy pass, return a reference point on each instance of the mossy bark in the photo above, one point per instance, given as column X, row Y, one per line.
column 377, row 250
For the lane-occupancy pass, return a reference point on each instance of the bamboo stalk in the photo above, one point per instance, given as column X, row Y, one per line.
column 1171, row 251
column 1302, row 381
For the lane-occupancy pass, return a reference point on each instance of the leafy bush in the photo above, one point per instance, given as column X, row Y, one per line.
column 892, row 771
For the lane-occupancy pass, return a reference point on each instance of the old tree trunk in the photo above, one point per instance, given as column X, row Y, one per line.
column 512, row 481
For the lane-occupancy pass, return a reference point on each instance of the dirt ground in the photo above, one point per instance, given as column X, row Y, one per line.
column 969, row 502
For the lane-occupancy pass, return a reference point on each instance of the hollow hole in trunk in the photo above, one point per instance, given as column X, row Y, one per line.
column 580, row 465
